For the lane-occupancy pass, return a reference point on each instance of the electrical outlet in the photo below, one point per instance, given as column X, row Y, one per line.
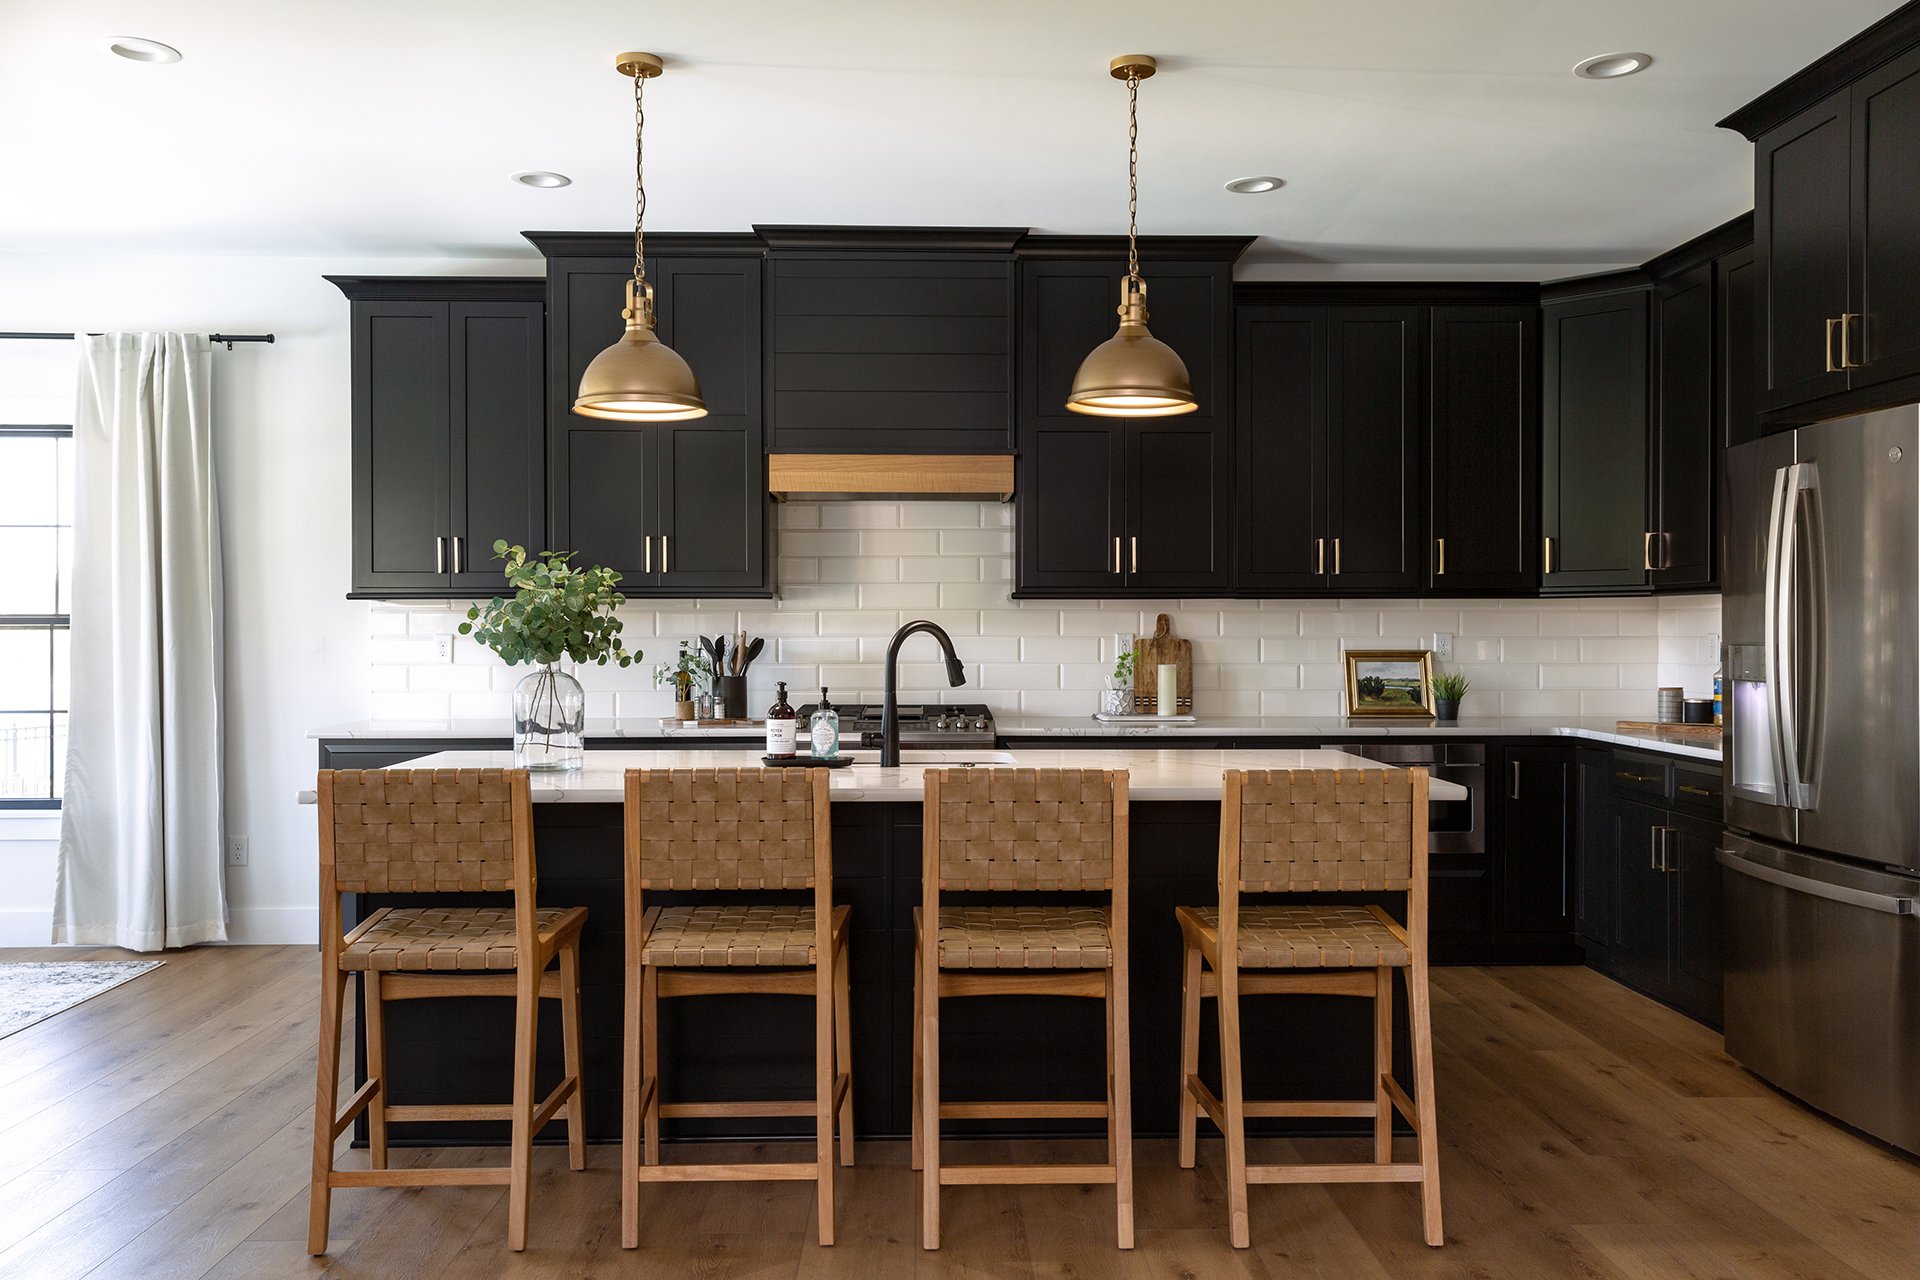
column 1443, row 646
column 443, row 648
column 236, row 851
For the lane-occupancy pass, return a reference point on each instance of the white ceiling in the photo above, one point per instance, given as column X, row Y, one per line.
column 1413, row 135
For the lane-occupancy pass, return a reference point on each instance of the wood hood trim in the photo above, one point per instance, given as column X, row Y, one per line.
column 879, row 475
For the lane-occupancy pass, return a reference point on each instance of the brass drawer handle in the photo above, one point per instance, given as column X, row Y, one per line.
column 1831, row 366
column 1441, row 572
column 1695, row 791
column 1624, row 776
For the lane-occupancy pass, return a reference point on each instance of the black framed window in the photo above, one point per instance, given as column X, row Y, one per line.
column 36, row 546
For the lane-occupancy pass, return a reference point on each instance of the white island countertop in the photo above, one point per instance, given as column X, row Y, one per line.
column 1170, row 773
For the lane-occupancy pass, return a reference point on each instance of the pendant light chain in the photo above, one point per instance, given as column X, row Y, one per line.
column 1133, row 177
column 639, row 187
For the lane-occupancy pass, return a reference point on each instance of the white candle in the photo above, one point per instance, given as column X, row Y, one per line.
column 1169, row 689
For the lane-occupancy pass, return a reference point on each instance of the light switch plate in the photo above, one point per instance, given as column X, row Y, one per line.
column 1443, row 646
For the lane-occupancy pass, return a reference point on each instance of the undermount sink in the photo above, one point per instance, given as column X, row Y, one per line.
column 961, row 758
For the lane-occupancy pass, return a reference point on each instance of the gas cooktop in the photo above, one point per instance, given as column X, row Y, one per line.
column 952, row 724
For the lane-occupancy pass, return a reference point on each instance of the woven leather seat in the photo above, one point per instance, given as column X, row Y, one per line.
column 449, row 939
column 1306, row 937
column 729, row 937
column 1024, row 938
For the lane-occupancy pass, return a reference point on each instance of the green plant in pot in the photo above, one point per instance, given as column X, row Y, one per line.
column 687, row 671
column 1448, row 688
column 556, row 611
column 1117, row 698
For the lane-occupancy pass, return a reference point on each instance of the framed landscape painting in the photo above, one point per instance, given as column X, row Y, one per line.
column 1389, row 682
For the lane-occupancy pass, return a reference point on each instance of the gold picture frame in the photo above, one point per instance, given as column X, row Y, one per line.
column 1389, row 682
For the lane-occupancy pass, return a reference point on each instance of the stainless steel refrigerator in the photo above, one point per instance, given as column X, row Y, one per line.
column 1822, row 856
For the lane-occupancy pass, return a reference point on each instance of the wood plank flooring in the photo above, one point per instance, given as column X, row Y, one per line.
column 161, row 1130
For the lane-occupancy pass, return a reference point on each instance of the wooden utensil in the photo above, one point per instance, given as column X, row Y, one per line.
column 1151, row 651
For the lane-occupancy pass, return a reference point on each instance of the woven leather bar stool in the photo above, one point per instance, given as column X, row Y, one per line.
column 1058, row 830
column 1305, row 831
column 732, row 829
column 442, row 831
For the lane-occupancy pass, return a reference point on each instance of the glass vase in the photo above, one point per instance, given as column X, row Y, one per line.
column 1116, row 699
column 549, row 720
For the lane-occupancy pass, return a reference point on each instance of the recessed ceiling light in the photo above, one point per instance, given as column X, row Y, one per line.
column 1254, row 186
column 1611, row 66
column 137, row 49
column 542, row 178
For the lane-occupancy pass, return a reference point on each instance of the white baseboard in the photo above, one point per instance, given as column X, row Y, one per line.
column 273, row 926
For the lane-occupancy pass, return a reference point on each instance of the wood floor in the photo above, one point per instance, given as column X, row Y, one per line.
column 161, row 1130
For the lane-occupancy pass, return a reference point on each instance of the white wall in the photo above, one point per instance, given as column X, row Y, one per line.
column 297, row 649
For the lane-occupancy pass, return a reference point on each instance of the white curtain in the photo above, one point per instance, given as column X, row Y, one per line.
column 140, row 822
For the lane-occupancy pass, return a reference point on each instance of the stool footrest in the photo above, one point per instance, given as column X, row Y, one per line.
column 1309, row 1173
column 488, row 1176
column 1024, row 1174
column 728, row 1173
column 1023, row 1110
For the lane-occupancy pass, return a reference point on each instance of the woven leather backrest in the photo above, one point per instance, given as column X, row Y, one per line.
column 1025, row 829
column 422, row 830
column 1326, row 829
column 725, row 829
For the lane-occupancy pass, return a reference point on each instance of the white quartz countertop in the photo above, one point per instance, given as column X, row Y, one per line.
column 1166, row 773
column 1329, row 729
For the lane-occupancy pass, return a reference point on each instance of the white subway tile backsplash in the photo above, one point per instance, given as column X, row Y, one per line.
column 849, row 573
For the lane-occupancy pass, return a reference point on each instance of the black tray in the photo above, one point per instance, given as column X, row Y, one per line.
column 806, row 762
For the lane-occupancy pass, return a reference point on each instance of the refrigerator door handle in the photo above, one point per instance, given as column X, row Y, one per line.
column 1788, row 647
column 1777, row 553
column 1892, row 904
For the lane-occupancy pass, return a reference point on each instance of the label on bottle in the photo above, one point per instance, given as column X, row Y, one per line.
column 781, row 736
column 825, row 737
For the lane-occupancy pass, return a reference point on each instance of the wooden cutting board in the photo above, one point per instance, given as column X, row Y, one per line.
column 1151, row 651
column 1707, row 733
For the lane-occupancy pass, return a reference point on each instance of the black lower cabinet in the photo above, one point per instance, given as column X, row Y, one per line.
column 1538, row 851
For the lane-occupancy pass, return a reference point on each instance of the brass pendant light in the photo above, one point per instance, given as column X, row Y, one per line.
column 639, row 379
column 1133, row 374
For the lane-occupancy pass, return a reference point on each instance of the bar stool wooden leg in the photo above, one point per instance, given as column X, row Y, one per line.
column 631, row 1105
column 526, row 1022
column 843, row 1046
column 929, row 1112
column 1421, row 1017
column 1235, row 1105
column 650, row 1059
column 1189, row 1052
column 1121, row 1066
column 373, row 996
column 1111, row 1099
column 919, row 1079
column 326, row 1097
column 1382, row 1065
column 570, row 1047
column 823, row 1087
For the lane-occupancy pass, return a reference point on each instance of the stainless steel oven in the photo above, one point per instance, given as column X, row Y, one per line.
column 1454, row 826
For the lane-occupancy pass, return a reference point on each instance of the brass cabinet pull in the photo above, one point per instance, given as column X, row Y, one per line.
column 1653, row 848
column 663, row 553
column 439, row 555
column 1846, row 342
column 459, row 555
column 1116, row 553
column 1831, row 366
column 1666, row 849
column 1695, row 791
column 1134, row 560
column 1646, row 552
column 1319, row 556
column 649, row 553
column 1546, row 556
column 1336, row 557
column 1624, row 776
column 1442, row 570
column 1514, row 792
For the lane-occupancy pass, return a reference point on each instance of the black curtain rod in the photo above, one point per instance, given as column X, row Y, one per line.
column 228, row 338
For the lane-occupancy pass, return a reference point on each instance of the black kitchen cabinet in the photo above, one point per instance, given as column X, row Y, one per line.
column 1594, row 906
column 1538, row 848
column 447, row 387
column 1737, row 339
column 1593, row 453
column 1119, row 506
column 1800, row 222
column 1483, row 449
column 890, row 354
column 678, row 509
column 1683, row 488
column 1331, row 447
column 1884, row 341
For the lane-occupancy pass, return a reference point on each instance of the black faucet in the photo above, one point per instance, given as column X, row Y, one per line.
column 890, row 708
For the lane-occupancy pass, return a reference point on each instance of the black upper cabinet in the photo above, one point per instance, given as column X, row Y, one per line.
column 1686, row 449
column 1484, row 424
column 1119, row 506
column 873, row 354
column 1737, row 345
column 678, row 509
column 1593, row 456
column 447, row 430
column 1800, row 219
column 1885, row 344
column 1282, row 449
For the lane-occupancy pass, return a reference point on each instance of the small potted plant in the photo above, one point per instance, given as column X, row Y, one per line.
column 1117, row 698
column 557, row 611
column 1448, row 688
column 687, row 670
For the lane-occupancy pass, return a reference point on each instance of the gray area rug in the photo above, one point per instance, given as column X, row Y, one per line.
column 32, row 992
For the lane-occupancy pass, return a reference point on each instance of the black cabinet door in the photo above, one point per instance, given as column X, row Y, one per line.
column 1695, row 873
column 1179, row 495
column 1598, row 881
column 1642, row 929
column 499, row 481
column 1737, row 341
column 1281, row 450
column 1686, row 439
column 1376, row 502
column 402, row 448
column 1070, row 526
column 1802, row 180
column 1593, row 459
column 1537, row 863
column 1483, row 464
column 891, row 355
column 709, row 513
column 1884, row 334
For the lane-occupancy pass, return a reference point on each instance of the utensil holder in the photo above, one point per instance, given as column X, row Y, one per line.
column 732, row 691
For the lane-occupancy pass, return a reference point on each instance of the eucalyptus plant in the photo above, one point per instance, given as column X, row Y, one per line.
column 686, row 670
column 556, row 611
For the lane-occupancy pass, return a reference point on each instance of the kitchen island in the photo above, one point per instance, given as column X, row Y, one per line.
column 735, row 1047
